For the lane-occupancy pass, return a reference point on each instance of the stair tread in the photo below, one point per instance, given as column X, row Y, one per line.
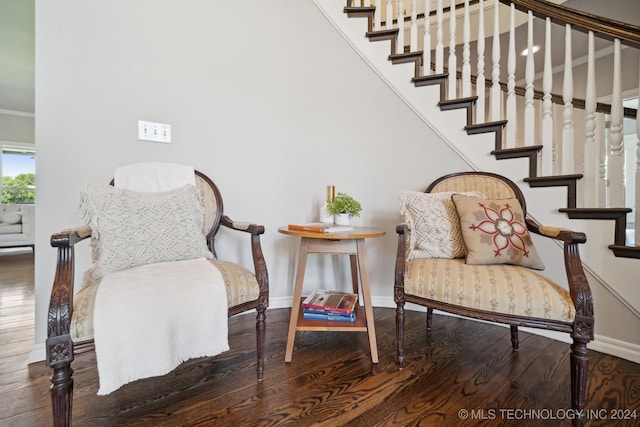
column 448, row 102
column 626, row 251
column 527, row 149
column 430, row 77
column 475, row 126
column 407, row 55
column 356, row 9
column 382, row 33
column 551, row 178
column 596, row 210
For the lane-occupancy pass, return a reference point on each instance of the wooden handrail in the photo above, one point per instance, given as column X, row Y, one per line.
column 610, row 29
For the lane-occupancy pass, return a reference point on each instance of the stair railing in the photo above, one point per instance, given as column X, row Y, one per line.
column 577, row 136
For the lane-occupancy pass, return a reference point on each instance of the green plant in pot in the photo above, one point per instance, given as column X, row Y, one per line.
column 344, row 207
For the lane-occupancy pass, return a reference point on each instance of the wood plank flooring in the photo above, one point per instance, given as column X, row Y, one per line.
column 460, row 366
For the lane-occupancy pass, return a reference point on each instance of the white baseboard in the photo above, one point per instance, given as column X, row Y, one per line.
column 621, row 349
column 38, row 353
column 612, row 346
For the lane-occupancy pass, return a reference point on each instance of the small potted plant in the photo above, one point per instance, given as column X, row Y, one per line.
column 344, row 207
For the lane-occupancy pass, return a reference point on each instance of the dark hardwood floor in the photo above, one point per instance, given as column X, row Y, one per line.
column 462, row 373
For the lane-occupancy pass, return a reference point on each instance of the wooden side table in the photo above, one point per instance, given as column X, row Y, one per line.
column 350, row 243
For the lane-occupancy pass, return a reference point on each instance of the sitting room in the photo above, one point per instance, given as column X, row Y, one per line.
column 273, row 102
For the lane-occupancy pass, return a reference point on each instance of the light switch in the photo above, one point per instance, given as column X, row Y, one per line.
column 156, row 132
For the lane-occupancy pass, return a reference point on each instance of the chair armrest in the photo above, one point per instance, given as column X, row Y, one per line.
column 259, row 264
column 403, row 231
column 577, row 280
column 242, row 225
column 59, row 345
column 563, row 234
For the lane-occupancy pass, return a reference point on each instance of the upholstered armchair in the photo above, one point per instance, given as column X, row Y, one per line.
column 465, row 248
column 155, row 235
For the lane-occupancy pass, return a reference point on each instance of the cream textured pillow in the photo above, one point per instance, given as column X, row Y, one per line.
column 131, row 228
column 494, row 232
column 435, row 232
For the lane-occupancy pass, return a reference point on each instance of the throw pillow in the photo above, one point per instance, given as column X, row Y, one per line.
column 435, row 232
column 12, row 218
column 131, row 228
column 494, row 232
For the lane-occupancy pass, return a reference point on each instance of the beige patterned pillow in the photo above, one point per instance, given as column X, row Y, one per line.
column 131, row 228
column 494, row 232
column 435, row 232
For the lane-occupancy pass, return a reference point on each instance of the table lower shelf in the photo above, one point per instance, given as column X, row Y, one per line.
column 360, row 324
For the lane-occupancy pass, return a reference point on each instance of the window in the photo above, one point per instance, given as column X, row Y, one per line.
column 18, row 175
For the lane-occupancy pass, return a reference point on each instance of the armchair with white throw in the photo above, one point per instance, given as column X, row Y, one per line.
column 154, row 263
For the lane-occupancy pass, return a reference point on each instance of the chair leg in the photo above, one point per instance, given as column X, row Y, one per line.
column 514, row 337
column 261, row 327
column 579, row 364
column 429, row 318
column 62, row 394
column 400, row 333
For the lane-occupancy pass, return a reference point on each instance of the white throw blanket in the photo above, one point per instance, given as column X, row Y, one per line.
column 151, row 318
column 154, row 176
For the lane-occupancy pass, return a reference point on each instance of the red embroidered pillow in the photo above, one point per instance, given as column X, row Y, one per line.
column 494, row 232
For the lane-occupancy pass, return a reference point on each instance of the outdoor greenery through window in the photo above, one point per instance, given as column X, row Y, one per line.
column 18, row 175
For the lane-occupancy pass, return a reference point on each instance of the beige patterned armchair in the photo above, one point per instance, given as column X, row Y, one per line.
column 71, row 315
column 469, row 261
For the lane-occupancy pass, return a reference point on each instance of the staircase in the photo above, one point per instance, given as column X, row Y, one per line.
column 427, row 89
column 618, row 215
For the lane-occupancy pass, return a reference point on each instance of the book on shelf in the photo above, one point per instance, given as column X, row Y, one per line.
column 342, row 302
column 328, row 316
column 320, row 227
column 313, row 311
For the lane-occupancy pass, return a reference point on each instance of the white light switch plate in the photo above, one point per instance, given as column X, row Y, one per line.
column 156, row 132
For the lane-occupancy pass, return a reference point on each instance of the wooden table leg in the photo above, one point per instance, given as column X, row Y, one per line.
column 353, row 260
column 297, row 294
column 366, row 296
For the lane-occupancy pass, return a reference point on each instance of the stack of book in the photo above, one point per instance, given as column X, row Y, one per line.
column 330, row 306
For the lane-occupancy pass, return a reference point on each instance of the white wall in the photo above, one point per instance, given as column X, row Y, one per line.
column 16, row 127
column 264, row 97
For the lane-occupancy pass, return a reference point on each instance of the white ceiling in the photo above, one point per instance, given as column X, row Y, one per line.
column 17, row 62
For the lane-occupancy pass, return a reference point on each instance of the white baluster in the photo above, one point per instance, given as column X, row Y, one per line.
column 452, row 51
column 590, row 147
column 556, row 143
column 511, row 129
column 496, row 95
column 389, row 15
column 603, row 150
column 546, row 132
column 615, row 167
column 567, row 112
column 480, row 84
column 466, row 53
column 400, row 47
column 426, row 40
column 529, row 110
column 439, row 43
column 414, row 26
column 377, row 18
